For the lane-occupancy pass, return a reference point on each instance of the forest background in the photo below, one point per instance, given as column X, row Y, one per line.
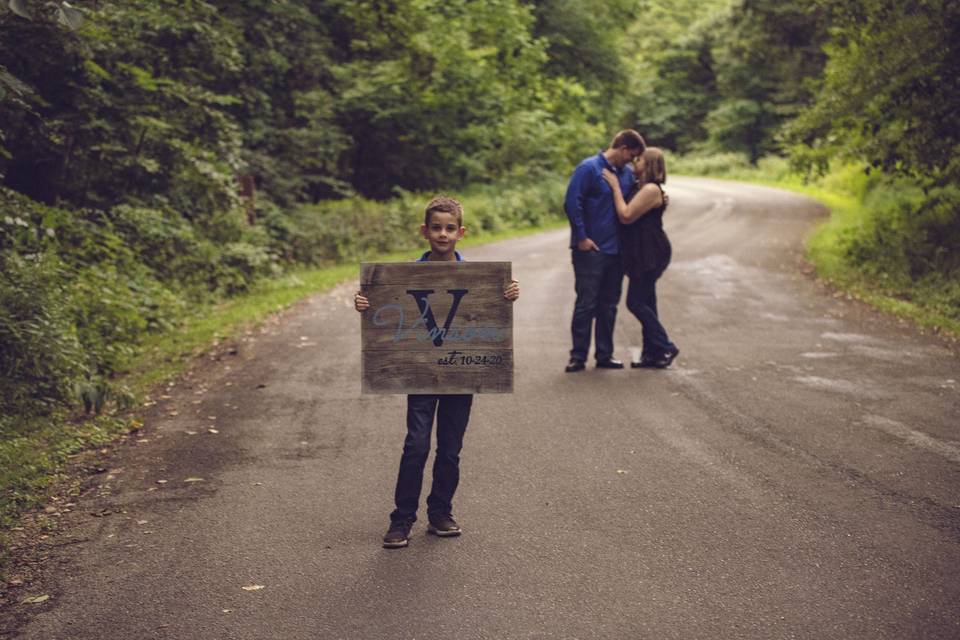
column 133, row 133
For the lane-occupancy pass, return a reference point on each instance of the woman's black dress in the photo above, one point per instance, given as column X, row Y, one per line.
column 643, row 243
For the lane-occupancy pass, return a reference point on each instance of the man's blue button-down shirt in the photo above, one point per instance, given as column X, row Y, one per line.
column 589, row 204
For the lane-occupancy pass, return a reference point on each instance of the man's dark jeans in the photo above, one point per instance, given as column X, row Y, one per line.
column 642, row 302
column 598, row 281
column 453, row 414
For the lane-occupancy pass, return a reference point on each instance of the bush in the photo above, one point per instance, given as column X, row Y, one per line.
column 346, row 230
column 894, row 238
column 240, row 265
column 81, row 289
column 357, row 228
column 166, row 243
column 909, row 236
column 729, row 165
column 718, row 164
column 42, row 357
column 492, row 208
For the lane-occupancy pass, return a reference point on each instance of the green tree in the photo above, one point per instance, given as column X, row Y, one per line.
column 584, row 44
column 430, row 89
column 125, row 108
column 287, row 98
column 723, row 75
column 890, row 93
column 766, row 52
column 670, row 78
column 675, row 90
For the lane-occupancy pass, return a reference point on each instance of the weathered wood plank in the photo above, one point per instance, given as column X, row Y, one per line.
column 471, row 371
column 430, row 274
column 470, row 337
column 484, row 305
column 437, row 328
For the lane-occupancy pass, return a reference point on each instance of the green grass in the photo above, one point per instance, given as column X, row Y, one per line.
column 35, row 453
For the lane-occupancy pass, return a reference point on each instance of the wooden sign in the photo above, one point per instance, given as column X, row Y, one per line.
column 436, row 327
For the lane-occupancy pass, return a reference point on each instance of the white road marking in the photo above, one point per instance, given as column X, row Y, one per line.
column 918, row 439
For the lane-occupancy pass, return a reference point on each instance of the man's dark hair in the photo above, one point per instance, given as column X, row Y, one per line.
column 630, row 139
column 445, row 204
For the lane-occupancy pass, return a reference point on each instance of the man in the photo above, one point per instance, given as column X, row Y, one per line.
column 595, row 245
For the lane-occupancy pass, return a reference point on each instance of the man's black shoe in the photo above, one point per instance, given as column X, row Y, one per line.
column 574, row 365
column 444, row 526
column 666, row 358
column 609, row 363
column 398, row 535
column 645, row 363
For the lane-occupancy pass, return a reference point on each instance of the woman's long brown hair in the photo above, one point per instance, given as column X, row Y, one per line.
column 655, row 168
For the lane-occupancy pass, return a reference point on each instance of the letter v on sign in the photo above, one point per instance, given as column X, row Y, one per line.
column 423, row 303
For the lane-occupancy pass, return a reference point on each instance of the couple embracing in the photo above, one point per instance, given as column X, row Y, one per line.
column 615, row 204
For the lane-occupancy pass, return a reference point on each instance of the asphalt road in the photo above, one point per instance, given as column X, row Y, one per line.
column 795, row 474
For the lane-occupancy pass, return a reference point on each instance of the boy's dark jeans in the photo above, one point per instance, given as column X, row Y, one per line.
column 453, row 413
column 642, row 302
column 598, row 280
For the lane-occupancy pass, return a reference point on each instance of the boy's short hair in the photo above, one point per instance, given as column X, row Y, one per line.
column 628, row 138
column 445, row 204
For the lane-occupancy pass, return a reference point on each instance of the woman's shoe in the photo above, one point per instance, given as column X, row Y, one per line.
column 666, row 358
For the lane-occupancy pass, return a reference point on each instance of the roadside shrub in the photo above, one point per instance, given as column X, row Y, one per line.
column 113, row 310
column 239, row 266
column 81, row 289
column 26, row 226
column 41, row 357
column 730, row 165
column 166, row 243
column 352, row 229
column 713, row 164
column 491, row 208
column 910, row 236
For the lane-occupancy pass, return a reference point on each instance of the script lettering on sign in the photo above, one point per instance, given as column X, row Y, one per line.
column 436, row 327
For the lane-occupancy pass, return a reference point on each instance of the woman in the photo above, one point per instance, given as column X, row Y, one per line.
column 646, row 252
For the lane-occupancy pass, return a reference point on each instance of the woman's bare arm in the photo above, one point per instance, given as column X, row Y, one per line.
column 647, row 198
column 618, row 201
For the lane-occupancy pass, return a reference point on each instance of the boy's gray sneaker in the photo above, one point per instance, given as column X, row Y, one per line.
column 398, row 535
column 444, row 526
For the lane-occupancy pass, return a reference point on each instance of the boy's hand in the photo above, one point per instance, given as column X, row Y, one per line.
column 360, row 302
column 512, row 291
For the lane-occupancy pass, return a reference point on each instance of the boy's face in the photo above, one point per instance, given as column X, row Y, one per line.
column 442, row 233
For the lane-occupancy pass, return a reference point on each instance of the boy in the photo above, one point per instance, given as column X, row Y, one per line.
column 442, row 227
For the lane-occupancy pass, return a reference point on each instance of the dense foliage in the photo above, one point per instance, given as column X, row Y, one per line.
column 872, row 84
column 124, row 127
column 127, row 126
column 164, row 103
column 730, row 79
column 890, row 93
column 889, row 98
